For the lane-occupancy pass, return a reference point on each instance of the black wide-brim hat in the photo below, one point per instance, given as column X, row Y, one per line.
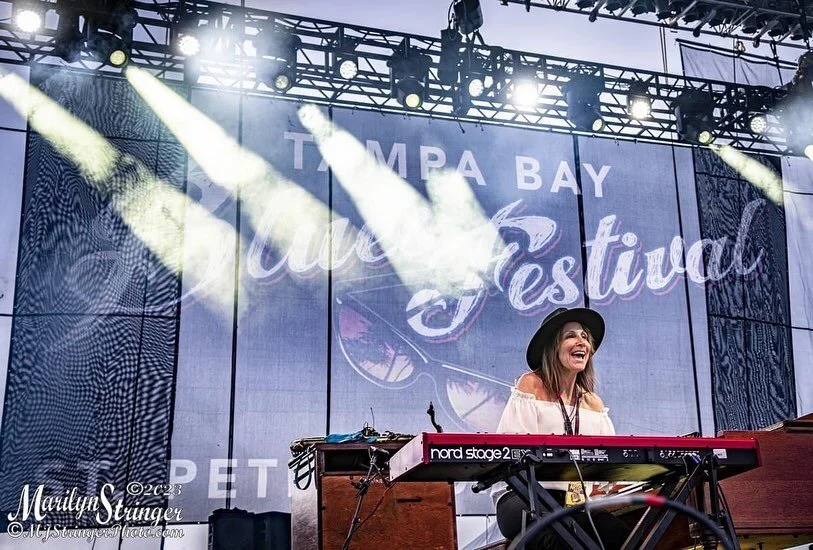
column 587, row 318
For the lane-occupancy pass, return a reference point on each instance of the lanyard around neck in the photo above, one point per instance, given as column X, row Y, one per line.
column 571, row 428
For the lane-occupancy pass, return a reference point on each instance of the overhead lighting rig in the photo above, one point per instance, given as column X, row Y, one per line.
column 756, row 20
column 304, row 59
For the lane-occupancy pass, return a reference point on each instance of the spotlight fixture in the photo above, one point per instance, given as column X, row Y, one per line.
column 276, row 74
column 475, row 85
column 107, row 48
column 583, row 103
column 110, row 34
column 28, row 17
column 348, row 67
column 345, row 58
column 758, row 123
column 639, row 104
column 694, row 111
column 524, row 87
column 759, row 102
column 794, row 115
column 277, row 49
column 68, row 40
column 189, row 45
column 187, row 34
column 473, row 77
column 468, row 15
column 409, row 70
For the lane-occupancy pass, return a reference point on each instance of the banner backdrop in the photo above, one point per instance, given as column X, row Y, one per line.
column 301, row 350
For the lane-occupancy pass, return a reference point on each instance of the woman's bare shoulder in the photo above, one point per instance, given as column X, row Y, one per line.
column 593, row 402
column 531, row 383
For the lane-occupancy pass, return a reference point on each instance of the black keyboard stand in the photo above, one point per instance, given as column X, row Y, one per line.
column 678, row 487
column 521, row 478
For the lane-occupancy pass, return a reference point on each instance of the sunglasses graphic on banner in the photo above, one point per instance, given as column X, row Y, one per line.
column 385, row 356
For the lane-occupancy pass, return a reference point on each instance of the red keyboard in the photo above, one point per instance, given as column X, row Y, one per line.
column 470, row 457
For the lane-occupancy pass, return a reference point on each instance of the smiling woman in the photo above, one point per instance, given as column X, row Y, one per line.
column 557, row 397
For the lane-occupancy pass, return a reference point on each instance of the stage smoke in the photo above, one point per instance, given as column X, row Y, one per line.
column 448, row 243
column 275, row 206
column 754, row 172
column 157, row 213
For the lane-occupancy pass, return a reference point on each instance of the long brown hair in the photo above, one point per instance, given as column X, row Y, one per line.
column 550, row 370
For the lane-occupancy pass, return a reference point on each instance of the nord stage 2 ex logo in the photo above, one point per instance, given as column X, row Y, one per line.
column 476, row 453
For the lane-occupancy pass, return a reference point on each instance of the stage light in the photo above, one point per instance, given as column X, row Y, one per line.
column 276, row 74
column 694, row 111
column 188, row 45
column 345, row 59
column 117, row 57
column 468, row 15
column 68, row 40
column 583, row 103
column 277, row 49
column 639, row 104
column 759, row 102
column 28, row 18
column 188, row 35
column 110, row 34
column 524, row 87
column 473, row 74
column 475, row 86
column 758, row 123
column 107, row 48
column 524, row 92
column 349, row 67
column 796, row 119
column 409, row 71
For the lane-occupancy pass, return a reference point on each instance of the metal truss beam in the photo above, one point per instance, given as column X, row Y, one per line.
column 232, row 66
column 777, row 21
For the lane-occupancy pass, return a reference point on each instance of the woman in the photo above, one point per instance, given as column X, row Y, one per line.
column 558, row 397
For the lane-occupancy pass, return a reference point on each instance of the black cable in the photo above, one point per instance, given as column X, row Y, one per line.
column 377, row 505
column 648, row 500
column 587, row 510
column 363, row 486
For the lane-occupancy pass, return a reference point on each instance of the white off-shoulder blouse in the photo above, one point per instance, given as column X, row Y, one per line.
column 525, row 414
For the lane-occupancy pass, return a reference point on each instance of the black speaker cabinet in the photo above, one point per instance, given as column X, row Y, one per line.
column 231, row 530
column 240, row 530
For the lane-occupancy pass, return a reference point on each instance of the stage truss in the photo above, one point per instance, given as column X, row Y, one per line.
column 232, row 67
column 754, row 20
